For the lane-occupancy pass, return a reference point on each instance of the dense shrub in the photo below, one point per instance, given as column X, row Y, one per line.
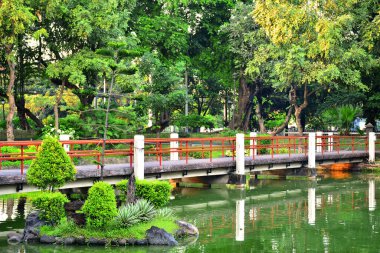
column 51, row 206
column 100, row 206
column 157, row 192
column 52, row 167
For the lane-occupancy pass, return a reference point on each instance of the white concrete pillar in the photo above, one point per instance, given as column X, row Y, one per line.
column 65, row 137
column 311, row 151
column 319, row 142
column 371, row 147
column 240, row 204
column 331, row 142
column 240, row 159
column 174, row 147
column 138, row 156
column 311, row 206
column 371, row 195
column 253, row 144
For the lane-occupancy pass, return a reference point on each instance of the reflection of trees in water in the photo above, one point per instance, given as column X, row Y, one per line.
column 10, row 205
column 289, row 222
column 13, row 212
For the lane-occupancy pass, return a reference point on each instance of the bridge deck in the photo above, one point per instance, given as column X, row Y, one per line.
column 200, row 167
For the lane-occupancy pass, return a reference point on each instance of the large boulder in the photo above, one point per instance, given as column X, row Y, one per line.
column 158, row 236
column 14, row 238
column 47, row 239
column 186, row 229
column 32, row 227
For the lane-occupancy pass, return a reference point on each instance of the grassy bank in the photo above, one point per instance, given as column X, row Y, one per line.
column 69, row 229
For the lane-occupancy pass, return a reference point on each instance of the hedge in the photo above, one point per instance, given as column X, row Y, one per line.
column 157, row 192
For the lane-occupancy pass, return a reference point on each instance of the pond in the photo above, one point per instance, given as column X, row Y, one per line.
column 328, row 215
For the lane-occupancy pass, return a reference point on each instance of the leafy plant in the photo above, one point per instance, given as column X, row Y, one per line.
column 127, row 216
column 342, row 117
column 51, row 206
column 52, row 167
column 146, row 210
column 157, row 192
column 100, row 206
column 164, row 213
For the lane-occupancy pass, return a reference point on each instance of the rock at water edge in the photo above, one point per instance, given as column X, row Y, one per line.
column 158, row 236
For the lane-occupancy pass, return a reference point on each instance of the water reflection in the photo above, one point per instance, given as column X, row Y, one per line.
column 275, row 216
column 371, row 195
column 311, row 205
column 240, row 205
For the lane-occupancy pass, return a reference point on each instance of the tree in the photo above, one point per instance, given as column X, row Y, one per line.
column 15, row 19
column 115, row 53
column 315, row 46
column 52, row 167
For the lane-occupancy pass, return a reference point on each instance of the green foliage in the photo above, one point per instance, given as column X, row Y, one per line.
column 137, row 231
column 51, row 206
column 195, row 121
column 146, row 210
column 164, row 213
column 198, row 154
column 227, row 132
column 52, row 167
column 342, row 117
column 131, row 214
column 100, row 206
column 128, row 215
column 156, row 192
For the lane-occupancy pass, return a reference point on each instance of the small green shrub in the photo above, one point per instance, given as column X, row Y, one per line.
column 156, row 192
column 52, row 167
column 164, row 213
column 100, row 206
column 127, row 216
column 51, row 206
column 131, row 214
column 146, row 210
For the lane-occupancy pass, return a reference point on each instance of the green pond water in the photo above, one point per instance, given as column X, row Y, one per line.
column 327, row 215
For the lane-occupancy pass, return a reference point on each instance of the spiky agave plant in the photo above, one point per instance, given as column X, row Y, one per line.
column 146, row 210
column 128, row 215
column 164, row 213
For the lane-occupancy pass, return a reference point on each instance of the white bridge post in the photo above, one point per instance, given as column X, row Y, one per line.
column 371, row 147
column 138, row 156
column 240, row 160
column 331, row 142
column 319, row 142
column 174, row 147
column 65, row 137
column 252, row 144
column 311, row 151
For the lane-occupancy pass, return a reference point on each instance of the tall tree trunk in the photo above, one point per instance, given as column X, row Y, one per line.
column 56, row 105
column 20, row 86
column 10, row 93
column 259, row 105
column 242, row 114
column 298, row 109
column 20, row 104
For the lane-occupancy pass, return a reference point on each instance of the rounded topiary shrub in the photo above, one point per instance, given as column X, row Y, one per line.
column 52, row 167
column 100, row 206
column 51, row 206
